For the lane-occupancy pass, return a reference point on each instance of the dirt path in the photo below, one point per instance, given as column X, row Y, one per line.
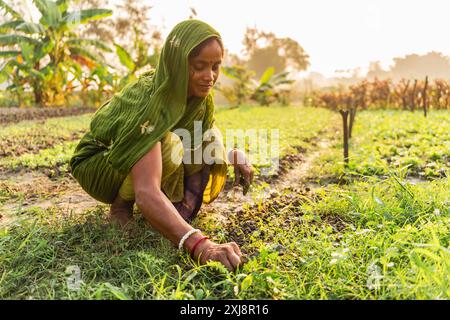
column 30, row 190
column 292, row 177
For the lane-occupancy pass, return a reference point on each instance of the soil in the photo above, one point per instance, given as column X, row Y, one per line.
column 14, row 115
column 32, row 143
column 36, row 190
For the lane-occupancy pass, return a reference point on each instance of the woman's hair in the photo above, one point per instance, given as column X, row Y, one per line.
column 196, row 51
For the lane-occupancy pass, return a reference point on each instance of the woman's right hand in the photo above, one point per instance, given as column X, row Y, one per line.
column 228, row 254
column 160, row 212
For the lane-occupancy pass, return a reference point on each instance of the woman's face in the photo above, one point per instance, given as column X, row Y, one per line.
column 204, row 69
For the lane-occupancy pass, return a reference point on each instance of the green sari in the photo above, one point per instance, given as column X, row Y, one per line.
column 146, row 111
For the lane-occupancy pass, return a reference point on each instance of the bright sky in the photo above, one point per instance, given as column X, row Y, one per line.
column 337, row 34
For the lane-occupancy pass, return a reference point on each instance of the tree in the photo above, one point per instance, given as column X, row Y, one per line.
column 98, row 29
column 262, row 58
column 264, row 49
column 434, row 65
column 139, row 44
column 376, row 71
column 43, row 54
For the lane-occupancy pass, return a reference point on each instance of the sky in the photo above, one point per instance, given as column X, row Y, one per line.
column 336, row 34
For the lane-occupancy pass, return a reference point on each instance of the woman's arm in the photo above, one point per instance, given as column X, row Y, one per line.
column 162, row 215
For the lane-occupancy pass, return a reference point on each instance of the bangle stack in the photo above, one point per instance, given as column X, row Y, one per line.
column 185, row 237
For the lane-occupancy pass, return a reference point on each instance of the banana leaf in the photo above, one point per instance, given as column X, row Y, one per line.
column 10, row 10
column 12, row 39
column 51, row 14
column 10, row 25
column 89, row 42
column 267, row 75
column 27, row 52
column 9, row 54
column 125, row 58
column 72, row 19
column 30, row 28
column 63, row 5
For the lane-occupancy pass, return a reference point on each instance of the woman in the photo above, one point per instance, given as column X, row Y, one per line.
column 131, row 153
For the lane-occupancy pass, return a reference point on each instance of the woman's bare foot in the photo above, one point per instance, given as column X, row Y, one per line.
column 121, row 212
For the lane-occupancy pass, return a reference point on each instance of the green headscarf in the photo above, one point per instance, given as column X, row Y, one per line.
column 128, row 125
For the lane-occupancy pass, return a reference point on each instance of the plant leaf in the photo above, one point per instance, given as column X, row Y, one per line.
column 125, row 58
column 51, row 14
column 10, row 25
column 63, row 5
column 116, row 292
column 90, row 42
column 247, row 282
column 30, row 28
column 72, row 19
column 12, row 39
column 10, row 10
column 86, row 53
column 229, row 72
column 6, row 71
column 9, row 54
column 27, row 51
column 267, row 75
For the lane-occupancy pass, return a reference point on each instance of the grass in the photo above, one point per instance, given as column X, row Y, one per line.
column 378, row 236
column 387, row 140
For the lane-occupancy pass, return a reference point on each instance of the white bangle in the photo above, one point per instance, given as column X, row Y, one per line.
column 185, row 237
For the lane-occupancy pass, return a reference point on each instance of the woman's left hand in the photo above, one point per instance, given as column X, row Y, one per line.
column 243, row 171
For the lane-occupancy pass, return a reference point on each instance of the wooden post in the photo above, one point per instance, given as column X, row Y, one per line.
column 425, row 98
column 413, row 96
column 344, row 114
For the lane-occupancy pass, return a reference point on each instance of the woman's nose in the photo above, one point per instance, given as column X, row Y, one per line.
column 209, row 76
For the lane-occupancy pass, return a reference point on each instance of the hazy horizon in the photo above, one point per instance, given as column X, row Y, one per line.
column 337, row 35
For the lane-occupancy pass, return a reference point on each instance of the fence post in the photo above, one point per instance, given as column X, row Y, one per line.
column 344, row 114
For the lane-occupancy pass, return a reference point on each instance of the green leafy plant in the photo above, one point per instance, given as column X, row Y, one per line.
column 271, row 87
column 42, row 54
column 241, row 89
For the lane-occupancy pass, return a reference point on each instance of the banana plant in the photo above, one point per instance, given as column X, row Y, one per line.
column 241, row 89
column 268, row 88
column 43, row 54
column 104, row 81
column 142, row 59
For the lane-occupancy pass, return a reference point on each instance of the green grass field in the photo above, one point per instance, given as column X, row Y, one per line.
column 379, row 229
